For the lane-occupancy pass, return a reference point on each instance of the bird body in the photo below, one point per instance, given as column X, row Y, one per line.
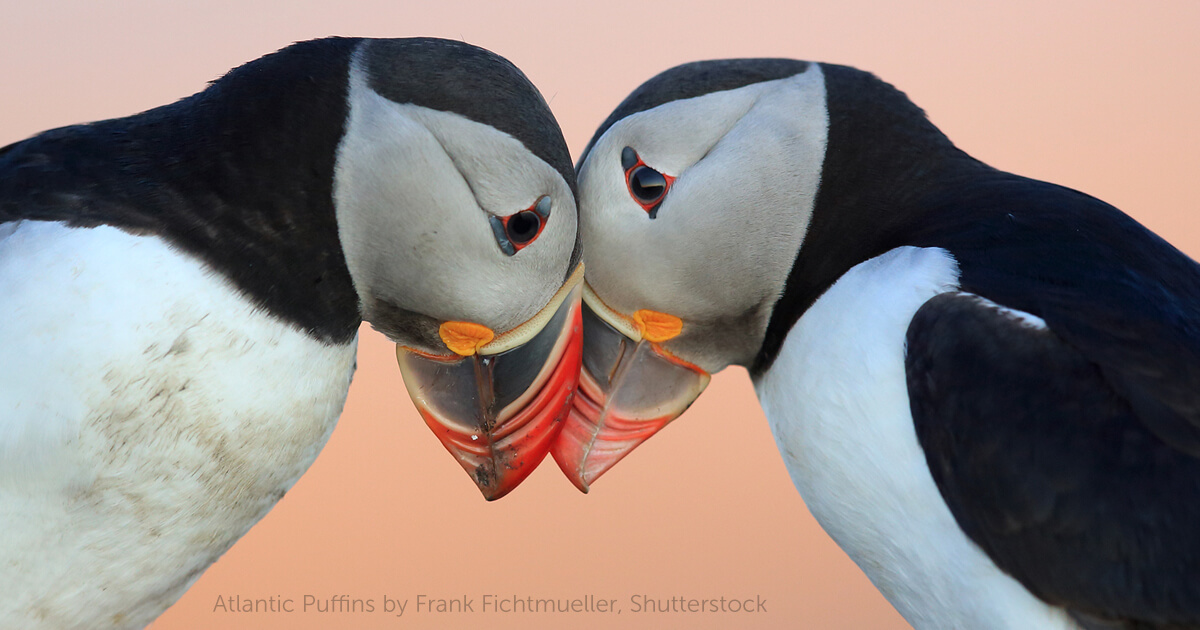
column 837, row 402
column 181, row 292
column 152, row 415
column 983, row 385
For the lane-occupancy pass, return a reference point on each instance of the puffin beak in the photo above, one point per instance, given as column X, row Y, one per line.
column 629, row 389
column 498, row 403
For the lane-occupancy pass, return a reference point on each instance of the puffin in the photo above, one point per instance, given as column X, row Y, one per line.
column 183, row 290
column 986, row 388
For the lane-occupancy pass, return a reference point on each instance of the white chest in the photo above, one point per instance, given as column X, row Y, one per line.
column 838, row 406
column 149, row 415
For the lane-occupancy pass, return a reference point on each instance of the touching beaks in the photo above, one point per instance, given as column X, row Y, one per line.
column 498, row 403
column 629, row 389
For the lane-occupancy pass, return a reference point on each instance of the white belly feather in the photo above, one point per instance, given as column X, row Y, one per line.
column 838, row 406
column 149, row 415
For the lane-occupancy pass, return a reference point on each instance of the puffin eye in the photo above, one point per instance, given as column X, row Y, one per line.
column 523, row 227
column 514, row 232
column 647, row 186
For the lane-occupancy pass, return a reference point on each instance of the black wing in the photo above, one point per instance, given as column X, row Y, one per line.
column 1050, row 470
column 1071, row 453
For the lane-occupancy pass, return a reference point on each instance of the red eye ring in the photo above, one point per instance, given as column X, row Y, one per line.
column 637, row 169
column 520, row 229
column 517, row 228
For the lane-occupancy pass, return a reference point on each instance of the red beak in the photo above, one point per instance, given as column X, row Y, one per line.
column 498, row 414
column 628, row 391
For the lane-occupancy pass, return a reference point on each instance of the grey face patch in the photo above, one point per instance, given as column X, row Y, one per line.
column 457, row 77
column 697, row 79
column 418, row 193
column 745, row 166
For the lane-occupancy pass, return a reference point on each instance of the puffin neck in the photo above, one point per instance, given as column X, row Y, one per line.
column 239, row 175
column 883, row 159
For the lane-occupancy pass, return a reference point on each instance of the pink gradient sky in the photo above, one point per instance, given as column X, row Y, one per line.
column 1102, row 97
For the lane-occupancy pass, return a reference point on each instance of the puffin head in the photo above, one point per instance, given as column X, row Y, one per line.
column 455, row 203
column 695, row 196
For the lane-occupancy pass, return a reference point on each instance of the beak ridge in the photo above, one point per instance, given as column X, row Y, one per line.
column 628, row 391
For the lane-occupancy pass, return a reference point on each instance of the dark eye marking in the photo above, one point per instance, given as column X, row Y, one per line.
column 516, row 231
column 647, row 186
column 629, row 158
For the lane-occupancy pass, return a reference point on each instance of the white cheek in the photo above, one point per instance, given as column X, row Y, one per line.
column 397, row 194
column 608, row 215
column 667, row 138
column 414, row 188
column 506, row 178
column 727, row 233
column 675, row 136
column 742, row 212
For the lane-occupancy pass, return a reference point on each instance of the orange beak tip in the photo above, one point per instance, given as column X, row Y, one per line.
column 656, row 326
column 465, row 338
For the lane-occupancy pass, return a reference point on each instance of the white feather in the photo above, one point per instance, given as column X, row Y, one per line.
column 837, row 401
column 149, row 415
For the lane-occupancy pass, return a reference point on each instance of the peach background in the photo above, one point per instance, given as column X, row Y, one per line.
column 1102, row 97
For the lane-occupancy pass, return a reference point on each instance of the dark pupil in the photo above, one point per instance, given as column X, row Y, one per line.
column 647, row 184
column 523, row 226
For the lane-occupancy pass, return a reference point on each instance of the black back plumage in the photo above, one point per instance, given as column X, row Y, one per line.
column 239, row 175
column 881, row 156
